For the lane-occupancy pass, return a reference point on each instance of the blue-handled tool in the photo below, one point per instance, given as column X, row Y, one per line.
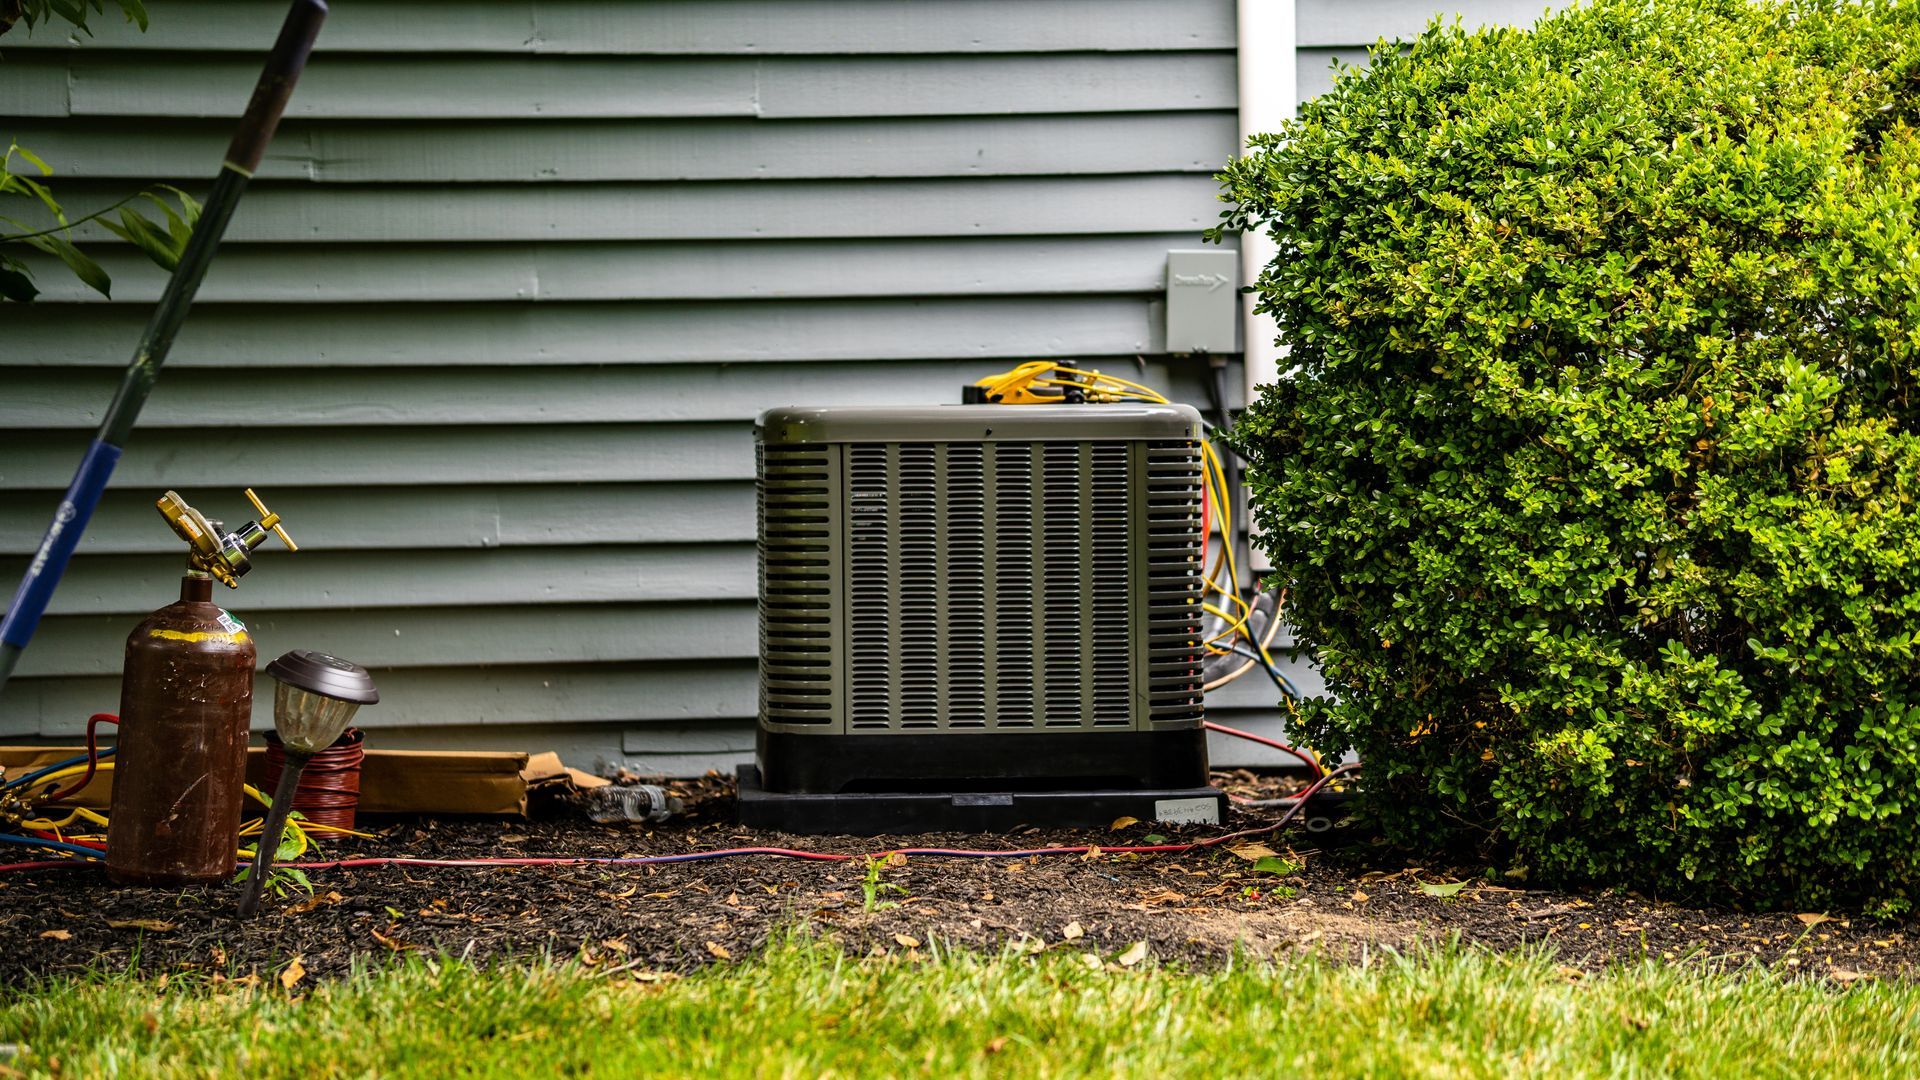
column 270, row 94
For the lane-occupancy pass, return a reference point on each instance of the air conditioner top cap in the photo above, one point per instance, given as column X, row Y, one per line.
column 800, row 424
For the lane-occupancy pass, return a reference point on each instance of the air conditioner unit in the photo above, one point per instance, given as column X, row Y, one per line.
column 978, row 617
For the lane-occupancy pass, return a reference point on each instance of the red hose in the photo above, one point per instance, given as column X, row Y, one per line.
column 93, row 756
column 1264, row 741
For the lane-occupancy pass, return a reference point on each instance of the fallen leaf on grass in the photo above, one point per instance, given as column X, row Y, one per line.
column 1073, row 930
column 1813, row 918
column 57, row 935
column 1442, row 889
column 292, row 973
column 142, row 924
column 1135, row 953
column 893, row 859
column 907, row 941
column 996, row 1044
column 719, row 950
column 1092, row 853
column 1253, row 852
column 1122, row 822
column 1360, row 897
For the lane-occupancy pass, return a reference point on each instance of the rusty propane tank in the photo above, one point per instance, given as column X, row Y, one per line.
column 186, row 697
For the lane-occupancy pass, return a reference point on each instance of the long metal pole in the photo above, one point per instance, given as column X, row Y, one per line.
column 270, row 94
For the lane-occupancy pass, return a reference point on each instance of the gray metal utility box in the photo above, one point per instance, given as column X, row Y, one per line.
column 980, row 598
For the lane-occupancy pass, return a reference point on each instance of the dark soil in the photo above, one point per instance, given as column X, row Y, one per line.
column 1197, row 907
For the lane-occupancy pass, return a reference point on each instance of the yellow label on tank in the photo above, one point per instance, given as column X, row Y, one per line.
column 199, row 635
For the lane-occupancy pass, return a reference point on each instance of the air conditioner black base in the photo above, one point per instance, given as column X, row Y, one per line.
column 876, row 813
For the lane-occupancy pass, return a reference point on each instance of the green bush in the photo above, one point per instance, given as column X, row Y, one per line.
column 1595, row 484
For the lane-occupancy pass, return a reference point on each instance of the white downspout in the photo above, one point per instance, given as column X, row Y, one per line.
column 1266, row 39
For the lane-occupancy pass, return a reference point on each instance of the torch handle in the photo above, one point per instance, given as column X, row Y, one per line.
column 270, row 94
column 290, row 771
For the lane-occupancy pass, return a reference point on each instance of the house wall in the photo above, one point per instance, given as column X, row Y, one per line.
column 492, row 324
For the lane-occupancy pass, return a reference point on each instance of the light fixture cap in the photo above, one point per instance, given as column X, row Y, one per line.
column 328, row 676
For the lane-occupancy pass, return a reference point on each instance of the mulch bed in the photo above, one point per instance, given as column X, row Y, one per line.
column 1200, row 908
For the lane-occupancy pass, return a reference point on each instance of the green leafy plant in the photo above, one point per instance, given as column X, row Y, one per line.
column 873, row 886
column 282, row 881
column 162, row 243
column 1594, row 481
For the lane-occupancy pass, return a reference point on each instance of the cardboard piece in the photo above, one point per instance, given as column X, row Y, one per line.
column 391, row 781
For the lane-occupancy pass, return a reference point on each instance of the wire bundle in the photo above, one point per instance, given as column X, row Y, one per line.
column 78, row 833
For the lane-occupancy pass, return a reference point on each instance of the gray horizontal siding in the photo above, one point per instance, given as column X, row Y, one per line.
column 320, row 581
column 493, row 323
column 718, row 210
column 195, row 399
column 448, row 703
column 500, row 88
column 631, row 631
column 473, row 454
column 379, row 335
column 998, row 266
column 556, row 150
column 686, row 27
column 433, row 517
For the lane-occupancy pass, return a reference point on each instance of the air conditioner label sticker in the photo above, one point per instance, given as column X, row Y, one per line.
column 1187, row 811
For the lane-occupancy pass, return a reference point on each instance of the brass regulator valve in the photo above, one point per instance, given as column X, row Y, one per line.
column 226, row 556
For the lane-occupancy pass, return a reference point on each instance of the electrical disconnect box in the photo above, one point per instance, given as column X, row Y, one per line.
column 979, row 616
column 1203, row 301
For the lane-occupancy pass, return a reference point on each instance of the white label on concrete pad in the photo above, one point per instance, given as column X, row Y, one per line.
column 1187, row 811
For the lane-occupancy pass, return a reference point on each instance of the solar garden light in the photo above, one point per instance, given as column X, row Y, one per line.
column 316, row 699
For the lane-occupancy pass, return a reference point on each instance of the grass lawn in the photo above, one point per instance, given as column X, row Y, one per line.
column 806, row 1009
